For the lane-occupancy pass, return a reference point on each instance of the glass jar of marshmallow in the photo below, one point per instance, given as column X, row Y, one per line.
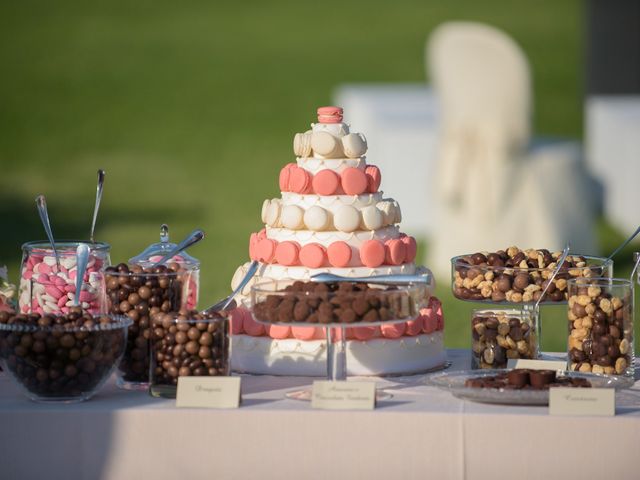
column 48, row 284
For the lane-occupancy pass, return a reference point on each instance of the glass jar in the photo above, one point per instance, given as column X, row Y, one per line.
column 39, row 271
column 500, row 335
column 186, row 344
column 600, row 320
column 510, row 277
column 139, row 293
column 185, row 263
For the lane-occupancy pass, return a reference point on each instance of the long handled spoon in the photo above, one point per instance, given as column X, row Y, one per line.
column 41, row 203
column 82, row 259
column 563, row 257
column 624, row 244
column 378, row 280
column 191, row 239
column 635, row 268
column 101, row 174
column 226, row 302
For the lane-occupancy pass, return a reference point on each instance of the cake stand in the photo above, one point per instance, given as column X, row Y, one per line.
column 403, row 304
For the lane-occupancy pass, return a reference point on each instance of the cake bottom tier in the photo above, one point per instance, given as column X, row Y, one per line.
column 379, row 356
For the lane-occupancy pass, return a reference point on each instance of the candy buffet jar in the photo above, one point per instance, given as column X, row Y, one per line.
column 500, row 335
column 600, row 320
column 186, row 344
column 65, row 358
column 49, row 288
column 488, row 278
column 187, row 265
column 139, row 293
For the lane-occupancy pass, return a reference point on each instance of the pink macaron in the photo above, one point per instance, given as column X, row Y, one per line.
column 299, row 180
column 395, row 251
column 285, row 175
column 236, row 321
column 372, row 253
column 414, row 327
column 253, row 244
column 373, row 178
column 313, row 255
column 393, row 330
column 266, row 249
column 429, row 320
column 329, row 114
column 412, row 248
column 364, row 333
column 339, row 254
column 278, row 332
column 287, row 253
column 251, row 327
column 303, row 333
column 326, row 182
column 354, row 181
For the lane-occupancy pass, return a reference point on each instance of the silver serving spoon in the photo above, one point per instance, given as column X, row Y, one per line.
column 101, row 174
column 378, row 280
column 623, row 244
column 635, row 268
column 41, row 203
column 563, row 257
column 191, row 239
column 226, row 302
column 82, row 259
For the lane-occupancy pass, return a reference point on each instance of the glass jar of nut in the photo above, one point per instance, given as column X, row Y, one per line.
column 600, row 315
column 499, row 335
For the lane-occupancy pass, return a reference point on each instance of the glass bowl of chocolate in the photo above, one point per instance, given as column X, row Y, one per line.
column 338, row 303
column 61, row 358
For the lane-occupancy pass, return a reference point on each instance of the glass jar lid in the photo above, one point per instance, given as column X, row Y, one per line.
column 156, row 251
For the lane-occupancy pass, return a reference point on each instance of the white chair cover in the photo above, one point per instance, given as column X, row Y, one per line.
column 489, row 194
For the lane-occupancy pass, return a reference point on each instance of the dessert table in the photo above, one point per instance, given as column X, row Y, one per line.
column 421, row 432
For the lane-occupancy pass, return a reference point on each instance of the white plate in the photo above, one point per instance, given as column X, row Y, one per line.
column 454, row 381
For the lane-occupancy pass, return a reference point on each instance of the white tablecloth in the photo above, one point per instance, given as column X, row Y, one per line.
column 422, row 432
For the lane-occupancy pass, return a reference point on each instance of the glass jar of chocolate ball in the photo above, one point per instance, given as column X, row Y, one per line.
column 140, row 293
column 184, row 263
column 500, row 335
column 600, row 321
column 187, row 344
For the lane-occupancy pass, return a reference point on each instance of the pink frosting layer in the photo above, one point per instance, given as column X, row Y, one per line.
column 431, row 319
column 326, row 182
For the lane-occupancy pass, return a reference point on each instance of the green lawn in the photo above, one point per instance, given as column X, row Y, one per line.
column 190, row 107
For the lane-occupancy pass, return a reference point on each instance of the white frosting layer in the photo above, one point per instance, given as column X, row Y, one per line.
column 353, row 239
column 338, row 165
column 281, row 272
column 331, row 202
column 263, row 355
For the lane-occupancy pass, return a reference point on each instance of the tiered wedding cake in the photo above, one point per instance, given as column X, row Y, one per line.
column 332, row 218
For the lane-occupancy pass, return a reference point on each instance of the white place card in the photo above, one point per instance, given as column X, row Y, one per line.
column 327, row 395
column 208, row 392
column 582, row 401
column 537, row 364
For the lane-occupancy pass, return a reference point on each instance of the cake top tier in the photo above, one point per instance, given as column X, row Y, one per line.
column 330, row 138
